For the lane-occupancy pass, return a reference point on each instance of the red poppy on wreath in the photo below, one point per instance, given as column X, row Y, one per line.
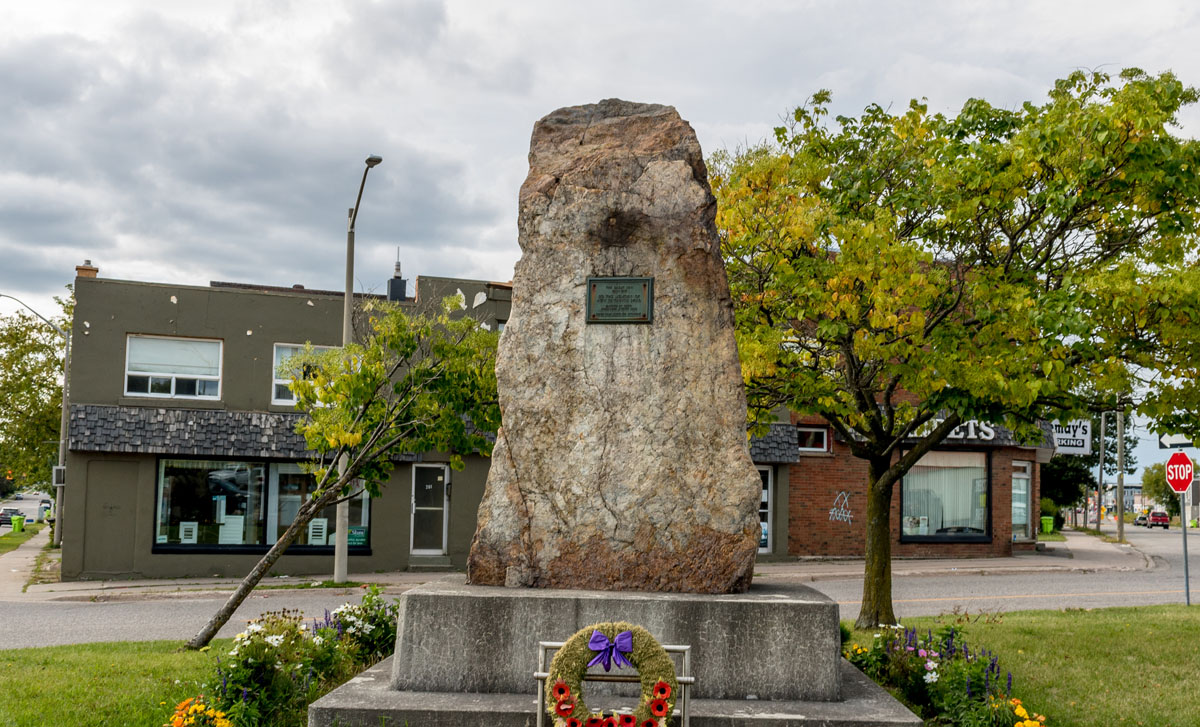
column 661, row 690
column 595, row 722
column 658, row 707
column 564, row 708
column 627, row 720
column 561, row 691
column 649, row 723
column 610, row 721
column 574, row 722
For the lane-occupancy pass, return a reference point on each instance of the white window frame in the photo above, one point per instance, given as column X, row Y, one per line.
column 770, row 507
column 823, row 430
column 150, row 374
column 275, row 380
column 412, row 518
column 1023, row 469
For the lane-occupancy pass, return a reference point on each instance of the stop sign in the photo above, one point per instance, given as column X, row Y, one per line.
column 1179, row 472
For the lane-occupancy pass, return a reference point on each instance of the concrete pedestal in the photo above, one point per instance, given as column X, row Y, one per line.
column 465, row 655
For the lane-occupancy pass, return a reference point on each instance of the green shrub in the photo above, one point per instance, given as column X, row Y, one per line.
column 276, row 667
column 280, row 664
column 941, row 679
column 369, row 627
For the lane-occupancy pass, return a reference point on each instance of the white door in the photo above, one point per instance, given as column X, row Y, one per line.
column 766, row 536
column 430, row 509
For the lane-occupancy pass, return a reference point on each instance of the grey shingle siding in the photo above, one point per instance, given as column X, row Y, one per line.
column 778, row 446
column 187, row 432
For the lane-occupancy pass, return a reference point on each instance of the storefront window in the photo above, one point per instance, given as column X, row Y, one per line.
column 211, row 502
column 290, row 487
column 945, row 495
column 1021, row 493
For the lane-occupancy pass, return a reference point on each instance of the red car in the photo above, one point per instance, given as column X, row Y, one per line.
column 1160, row 519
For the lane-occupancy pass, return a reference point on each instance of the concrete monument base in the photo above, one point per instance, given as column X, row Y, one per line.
column 465, row 655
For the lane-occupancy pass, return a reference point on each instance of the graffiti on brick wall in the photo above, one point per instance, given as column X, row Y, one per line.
column 840, row 512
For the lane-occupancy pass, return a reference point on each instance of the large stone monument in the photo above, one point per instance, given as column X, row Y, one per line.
column 621, row 478
column 622, row 462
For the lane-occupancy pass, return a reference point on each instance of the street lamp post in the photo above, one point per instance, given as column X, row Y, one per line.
column 340, row 542
column 62, row 425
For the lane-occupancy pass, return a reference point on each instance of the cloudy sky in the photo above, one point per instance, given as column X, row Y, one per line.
column 194, row 140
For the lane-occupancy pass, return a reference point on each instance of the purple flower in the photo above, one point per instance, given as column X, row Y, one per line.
column 968, row 686
column 1009, row 691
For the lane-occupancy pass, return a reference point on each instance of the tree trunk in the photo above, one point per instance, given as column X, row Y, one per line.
column 876, row 606
column 222, row 616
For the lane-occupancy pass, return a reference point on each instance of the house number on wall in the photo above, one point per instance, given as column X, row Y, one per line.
column 840, row 512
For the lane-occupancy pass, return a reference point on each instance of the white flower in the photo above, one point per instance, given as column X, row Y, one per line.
column 930, row 666
column 931, row 677
column 274, row 639
column 251, row 628
column 318, row 640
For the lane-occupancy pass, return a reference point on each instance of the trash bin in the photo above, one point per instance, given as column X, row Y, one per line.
column 1047, row 524
column 43, row 511
column 18, row 523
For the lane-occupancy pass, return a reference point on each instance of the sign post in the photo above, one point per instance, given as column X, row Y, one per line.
column 1179, row 477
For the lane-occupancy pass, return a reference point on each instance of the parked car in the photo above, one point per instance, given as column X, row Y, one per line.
column 6, row 515
column 1159, row 519
column 18, row 496
column 1141, row 520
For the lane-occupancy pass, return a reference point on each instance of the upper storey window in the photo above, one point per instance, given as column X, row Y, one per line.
column 181, row 368
column 281, row 391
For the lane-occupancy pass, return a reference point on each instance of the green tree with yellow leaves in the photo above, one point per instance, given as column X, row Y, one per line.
column 415, row 383
column 899, row 274
column 31, row 372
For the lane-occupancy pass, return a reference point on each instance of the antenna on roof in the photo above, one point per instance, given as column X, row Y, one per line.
column 396, row 287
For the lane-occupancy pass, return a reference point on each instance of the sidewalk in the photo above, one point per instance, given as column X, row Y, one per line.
column 17, row 566
column 1080, row 554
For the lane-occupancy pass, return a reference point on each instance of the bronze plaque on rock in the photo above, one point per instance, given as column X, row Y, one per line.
column 620, row 300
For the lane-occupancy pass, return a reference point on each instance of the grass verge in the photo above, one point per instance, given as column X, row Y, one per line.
column 1060, row 659
column 1054, row 537
column 1097, row 534
column 11, row 541
column 95, row 685
column 47, row 567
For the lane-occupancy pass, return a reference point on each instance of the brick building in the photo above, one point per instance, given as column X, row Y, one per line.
column 975, row 495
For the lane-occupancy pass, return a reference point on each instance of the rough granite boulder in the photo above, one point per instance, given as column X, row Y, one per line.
column 622, row 463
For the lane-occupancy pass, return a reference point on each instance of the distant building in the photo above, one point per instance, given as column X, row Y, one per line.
column 183, row 459
column 974, row 495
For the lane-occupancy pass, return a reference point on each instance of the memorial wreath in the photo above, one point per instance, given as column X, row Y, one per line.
column 611, row 644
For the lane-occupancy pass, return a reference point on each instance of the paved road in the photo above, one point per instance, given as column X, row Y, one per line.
column 25, row 624
column 1149, row 572
column 929, row 595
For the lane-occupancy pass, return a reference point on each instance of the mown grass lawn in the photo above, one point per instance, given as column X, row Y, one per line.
column 123, row 684
column 10, row 540
column 1088, row 668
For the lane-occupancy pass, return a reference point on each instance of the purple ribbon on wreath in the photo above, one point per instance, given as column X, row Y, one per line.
column 611, row 651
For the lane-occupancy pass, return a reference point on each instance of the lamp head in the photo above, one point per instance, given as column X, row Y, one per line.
column 373, row 160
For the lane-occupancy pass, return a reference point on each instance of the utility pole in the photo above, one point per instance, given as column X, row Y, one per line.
column 1121, row 476
column 342, row 513
column 1100, row 474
